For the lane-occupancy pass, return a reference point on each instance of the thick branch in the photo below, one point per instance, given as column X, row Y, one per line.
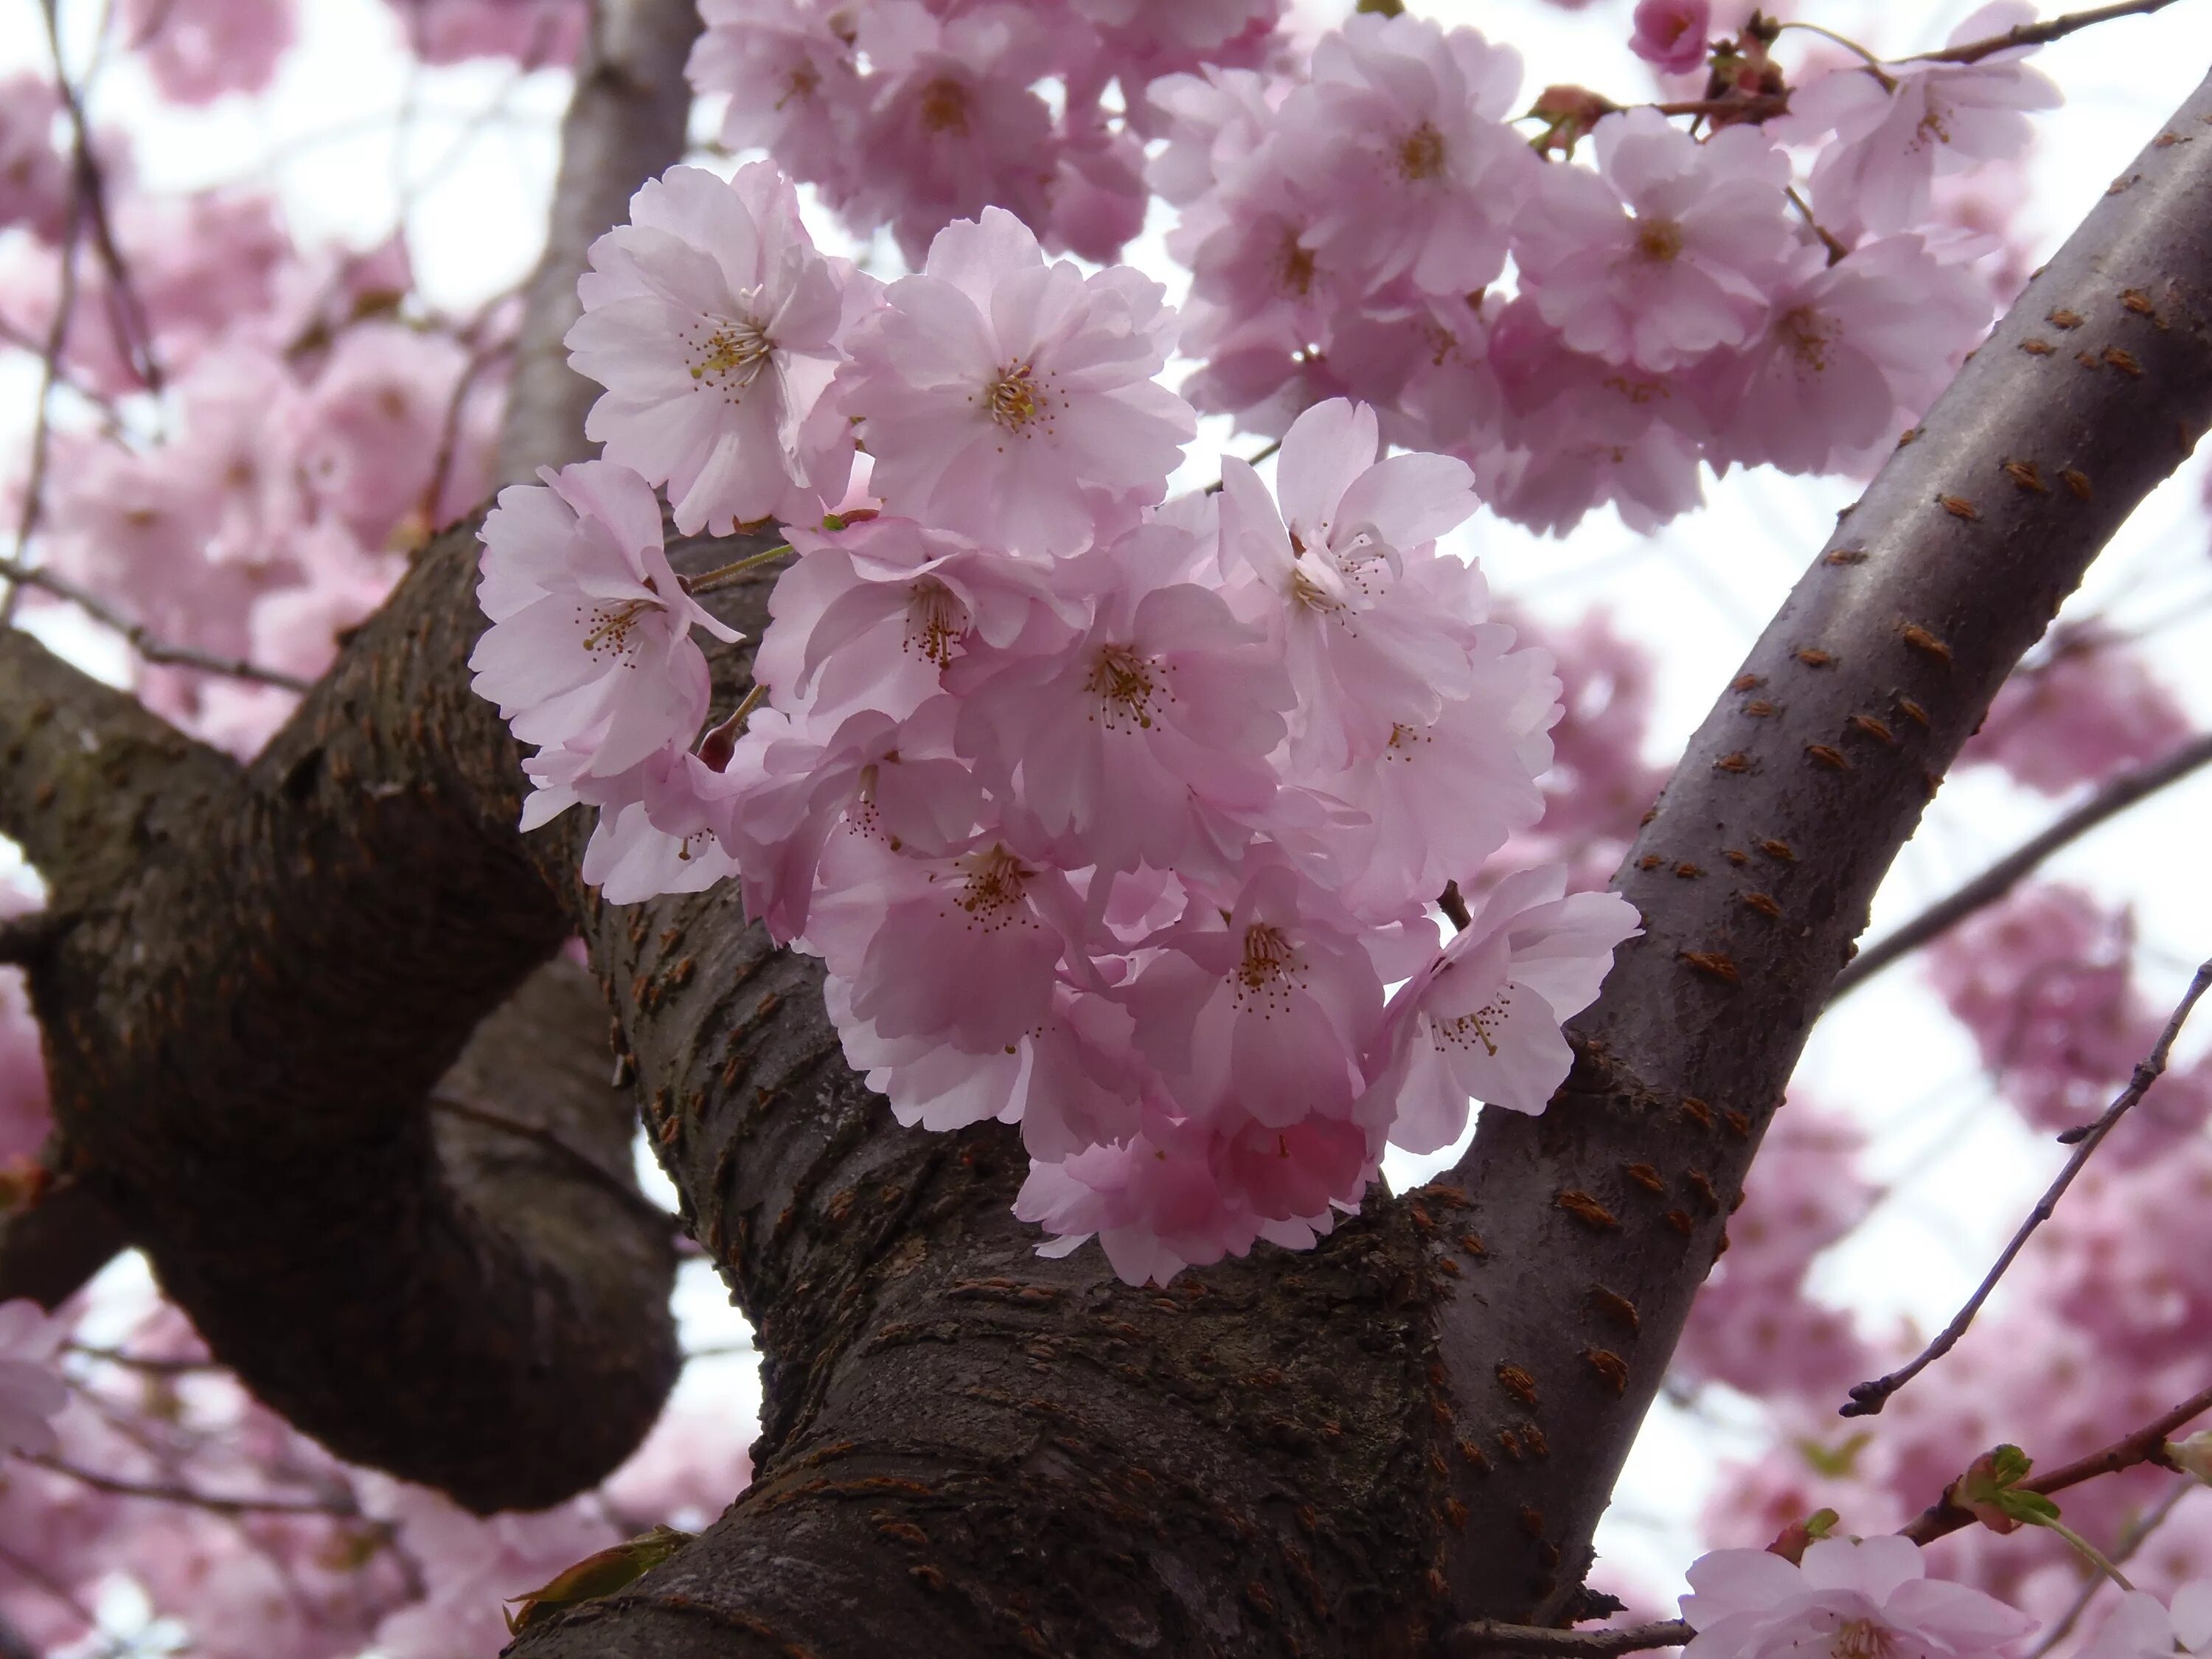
column 2111, row 800
column 1754, row 873
column 625, row 124
column 263, row 975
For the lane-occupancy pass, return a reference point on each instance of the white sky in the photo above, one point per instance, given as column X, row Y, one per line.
column 349, row 134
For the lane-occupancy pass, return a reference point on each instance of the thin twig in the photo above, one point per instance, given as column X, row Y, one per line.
column 34, row 485
column 707, row 581
column 1869, row 1398
column 2136, row 1535
column 582, row 1162
column 1573, row 1643
column 2035, row 34
column 344, row 1509
column 139, row 638
column 138, row 330
column 2007, row 874
column 1453, row 903
column 1254, row 459
column 2145, row 1445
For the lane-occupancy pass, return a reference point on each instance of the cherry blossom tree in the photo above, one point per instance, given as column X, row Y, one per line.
column 931, row 672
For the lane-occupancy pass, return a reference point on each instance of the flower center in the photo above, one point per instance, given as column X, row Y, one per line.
column 1014, row 399
column 945, row 107
column 1809, row 335
column 1468, row 1030
column 1126, row 684
column 1421, row 153
column 1269, row 963
column 613, row 631
column 995, row 881
column 802, row 82
column 1659, row 241
column 1862, row 1638
column 732, row 354
column 1294, row 265
column 936, row 621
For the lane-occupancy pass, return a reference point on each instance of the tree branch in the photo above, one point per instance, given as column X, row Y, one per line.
column 2037, row 34
column 1600, row 1218
column 625, row 124
column 1869, row 1398
column 138, row 636
column 2145, row 1445
column 1490, row 1635
column 2112, row 799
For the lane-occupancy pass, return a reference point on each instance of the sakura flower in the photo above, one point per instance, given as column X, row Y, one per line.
column 875, row 613
column 1186, row 1192
column 1849, row 353
column 30, row 1393
column 792, row 85
column 1896, row 128
column 1670, row 35
column 1851, row 1595
column 895, row 780
column 198, row 50
column 1146, row 739
column 1192, row 25
column 533, row 33
column 713, row 325
column 1265, row 1012
column 33, row 176
column 1664, row 252
column 1401, row 132
column 1368, row 650
column 589, row 646
column 1483, row 1017
column 1001, row 397
column 2143, row 1627
column 373, row 426
column 952, row 126
column 2089, row 708
column 961, row 949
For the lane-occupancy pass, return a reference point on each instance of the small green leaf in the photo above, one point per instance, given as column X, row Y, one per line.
column 1837, row 1462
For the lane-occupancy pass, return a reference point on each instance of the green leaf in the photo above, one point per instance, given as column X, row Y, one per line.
column 1836, row 1462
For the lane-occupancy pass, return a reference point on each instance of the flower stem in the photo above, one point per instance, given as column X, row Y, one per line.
column 722, row 576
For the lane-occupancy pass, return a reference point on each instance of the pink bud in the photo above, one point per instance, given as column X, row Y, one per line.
column 1671, row 33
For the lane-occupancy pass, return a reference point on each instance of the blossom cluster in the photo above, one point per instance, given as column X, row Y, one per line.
column 1351, row 234
column 1110, row 815
column 912, row 113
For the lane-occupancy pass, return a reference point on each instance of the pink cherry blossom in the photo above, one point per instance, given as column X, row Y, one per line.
column 1000, row 396
column 792, row 83
column 1146, row 739
column 198, row 50
column 1369, row 648
column 589, row 646
column 1872, row 1593
column 1895, row 128
column 1665, row 252
column 1848, row 354
column 533, row 33
column 952, row 126
column 1670, row 35
column 2088, row 708
column 1482, row 1019
column 30, row 1393
column 373, row 425
column 33, row 176
column 2143, row 1627
column 713, row 325
column 1401, row 134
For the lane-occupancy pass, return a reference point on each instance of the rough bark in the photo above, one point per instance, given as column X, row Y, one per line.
column 1755, row 871
column 265, row 973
